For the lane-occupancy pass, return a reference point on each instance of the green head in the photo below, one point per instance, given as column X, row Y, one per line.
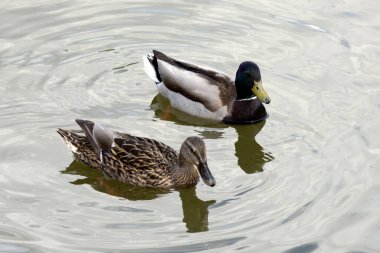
column 248, row 82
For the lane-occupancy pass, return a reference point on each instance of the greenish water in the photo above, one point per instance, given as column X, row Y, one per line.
column 306, row 180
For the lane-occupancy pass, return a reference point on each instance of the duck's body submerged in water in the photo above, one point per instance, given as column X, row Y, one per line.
column 138, row 160
column 206, row 93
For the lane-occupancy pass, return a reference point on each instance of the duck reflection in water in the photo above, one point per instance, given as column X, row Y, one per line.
column 251, row 156
column 195, row 210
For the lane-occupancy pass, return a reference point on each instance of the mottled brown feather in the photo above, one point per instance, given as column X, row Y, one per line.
column 134, row 160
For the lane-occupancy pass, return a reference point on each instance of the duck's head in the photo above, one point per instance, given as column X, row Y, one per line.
column 193, row 159
column 248, row 82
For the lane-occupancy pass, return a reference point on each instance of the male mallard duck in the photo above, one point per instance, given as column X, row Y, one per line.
column 138, row 160
column 209, row 94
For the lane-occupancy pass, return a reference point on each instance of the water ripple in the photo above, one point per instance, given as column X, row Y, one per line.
column 302, row 181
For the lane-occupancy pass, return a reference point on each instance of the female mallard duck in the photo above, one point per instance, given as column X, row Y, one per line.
column 137, row 160
column 209, row 94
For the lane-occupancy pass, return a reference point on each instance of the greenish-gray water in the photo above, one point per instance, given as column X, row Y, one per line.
column 305, row 180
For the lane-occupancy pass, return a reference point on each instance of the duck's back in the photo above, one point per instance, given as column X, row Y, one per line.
column 135, row 160
column 197, row 90
column 144, row 161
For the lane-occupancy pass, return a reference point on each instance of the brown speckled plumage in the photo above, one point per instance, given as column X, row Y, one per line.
column 138, row 160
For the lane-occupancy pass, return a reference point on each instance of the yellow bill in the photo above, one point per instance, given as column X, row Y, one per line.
column 260, row 93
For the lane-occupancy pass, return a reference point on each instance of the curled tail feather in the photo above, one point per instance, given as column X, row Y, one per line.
column 151, row 67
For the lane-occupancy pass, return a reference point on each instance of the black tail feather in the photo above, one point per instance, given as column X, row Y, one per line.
column 153, row 61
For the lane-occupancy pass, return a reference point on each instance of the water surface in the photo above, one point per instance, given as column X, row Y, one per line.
column 306, row 180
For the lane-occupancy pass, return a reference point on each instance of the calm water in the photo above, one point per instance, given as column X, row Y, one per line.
column 306, row 180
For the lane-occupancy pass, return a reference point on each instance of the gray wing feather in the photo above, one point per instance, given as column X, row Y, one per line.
column 211, row 88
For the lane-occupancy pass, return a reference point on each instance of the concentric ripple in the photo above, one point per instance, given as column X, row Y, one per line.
column 306, row 180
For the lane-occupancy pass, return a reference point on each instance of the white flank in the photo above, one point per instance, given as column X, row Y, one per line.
column 149, row 69
column 186, row 105
column 193, row 83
